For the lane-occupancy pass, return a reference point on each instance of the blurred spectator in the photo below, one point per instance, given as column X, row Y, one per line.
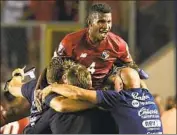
column 42, row 10
column 153, row 28
column 159, row 102
column 169, row 103
column 67, row 10
column 169, row 121
column 14, row 39
column 13, row 11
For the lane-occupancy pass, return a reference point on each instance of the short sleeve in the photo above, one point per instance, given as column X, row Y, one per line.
column 124, row 54
column 28, row 89
column 64, row 47
column 107, row 99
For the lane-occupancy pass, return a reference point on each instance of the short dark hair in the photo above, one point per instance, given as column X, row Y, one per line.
column 54, row 70
column 100, row 8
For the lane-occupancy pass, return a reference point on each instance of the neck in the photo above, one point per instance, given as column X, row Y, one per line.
column 92, row 39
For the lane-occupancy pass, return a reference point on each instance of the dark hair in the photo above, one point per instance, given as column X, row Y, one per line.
column 100, row 8
column 57, row 67
column 55, row 70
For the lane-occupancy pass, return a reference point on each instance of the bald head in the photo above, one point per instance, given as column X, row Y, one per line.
column 130, row 78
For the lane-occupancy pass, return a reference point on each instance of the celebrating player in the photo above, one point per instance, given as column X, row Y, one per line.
column 96, row 47
column 131, row 104
column 49, row 121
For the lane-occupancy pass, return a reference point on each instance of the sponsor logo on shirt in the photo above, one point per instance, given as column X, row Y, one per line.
column 135, row 103
column 105, row 54
column 136, row 95
column 143, row 111
column 154, row 132
column 151, row 123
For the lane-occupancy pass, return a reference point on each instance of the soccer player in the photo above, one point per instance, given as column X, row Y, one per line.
column 89, row 121
column 96, row 47
column 48, row 121
column 131, row 104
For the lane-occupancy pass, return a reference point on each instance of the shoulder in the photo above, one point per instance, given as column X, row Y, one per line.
column 29, row 85
column 117, row 40
column 116, row 37
column 75, row 36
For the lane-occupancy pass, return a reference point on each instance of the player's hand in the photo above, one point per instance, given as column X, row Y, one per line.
column 38, row 99
column 19, row 72
column 45, row 92
column 143, row 74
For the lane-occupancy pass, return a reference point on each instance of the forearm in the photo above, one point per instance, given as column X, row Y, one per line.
column 74, row 92
column 143, row 84
column 62, row 104
column 15, row 86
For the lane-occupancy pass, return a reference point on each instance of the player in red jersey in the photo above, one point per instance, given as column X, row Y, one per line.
column 96, row 47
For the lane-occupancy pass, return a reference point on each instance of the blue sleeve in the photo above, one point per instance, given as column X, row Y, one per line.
column 28, row 89
column 50, row 97
column 107, row 99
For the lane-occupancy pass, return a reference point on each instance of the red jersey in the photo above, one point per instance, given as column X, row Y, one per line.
column 99, row 57
column 15, row 127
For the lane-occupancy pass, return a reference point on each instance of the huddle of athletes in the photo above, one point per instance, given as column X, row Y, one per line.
column 91, row 86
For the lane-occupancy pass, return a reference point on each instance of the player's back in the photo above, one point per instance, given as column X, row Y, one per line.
column 134, row 110
column 83, row 122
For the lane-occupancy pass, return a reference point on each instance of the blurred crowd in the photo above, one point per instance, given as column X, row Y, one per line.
column 168, row 113
column 55, row 10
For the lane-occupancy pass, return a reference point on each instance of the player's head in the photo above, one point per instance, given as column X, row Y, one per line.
column 125, row 78
column 99, row 21
column 78, row 75
column 128, row 78
column 56, row 69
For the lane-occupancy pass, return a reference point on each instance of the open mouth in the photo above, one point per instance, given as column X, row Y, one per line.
column 103, row 32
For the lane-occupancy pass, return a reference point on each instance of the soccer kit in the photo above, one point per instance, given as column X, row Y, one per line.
column 134, row 110
column 98, row 58
column 49, row 121
column 28, row 92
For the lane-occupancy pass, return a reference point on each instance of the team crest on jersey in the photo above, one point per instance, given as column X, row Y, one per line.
column 105, row 54
column 83, row 55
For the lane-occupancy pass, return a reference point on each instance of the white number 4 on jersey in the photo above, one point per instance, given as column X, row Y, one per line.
column 91, row 68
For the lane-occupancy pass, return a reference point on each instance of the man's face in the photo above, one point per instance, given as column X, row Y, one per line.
column 100, row 24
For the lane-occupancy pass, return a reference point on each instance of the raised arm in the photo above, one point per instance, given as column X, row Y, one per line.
column 143, row 84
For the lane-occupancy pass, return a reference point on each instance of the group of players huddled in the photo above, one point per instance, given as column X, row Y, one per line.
column 91, row 86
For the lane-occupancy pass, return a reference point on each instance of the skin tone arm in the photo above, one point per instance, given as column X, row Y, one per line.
column 71, row 92
column 63, row 104
column 143, row 84
column 15, row 86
